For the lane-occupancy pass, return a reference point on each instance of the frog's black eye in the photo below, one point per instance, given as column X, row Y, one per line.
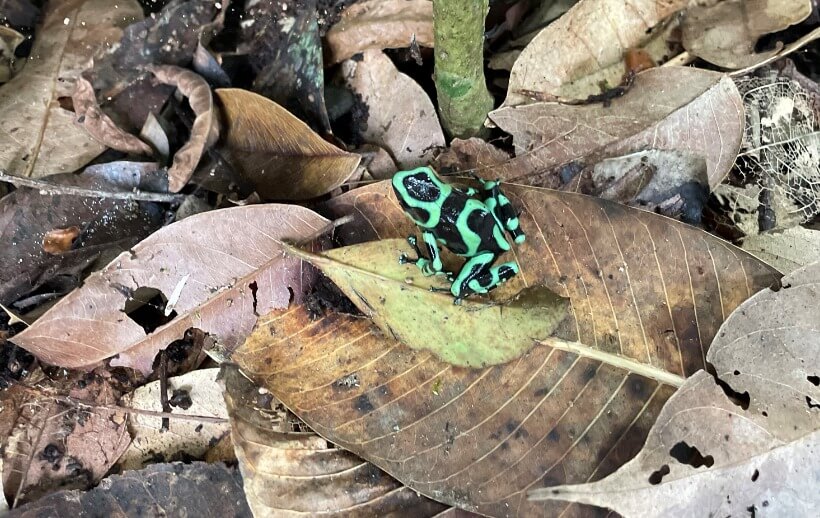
column 421, row 187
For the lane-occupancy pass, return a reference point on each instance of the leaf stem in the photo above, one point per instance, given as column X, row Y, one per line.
column 70, row 190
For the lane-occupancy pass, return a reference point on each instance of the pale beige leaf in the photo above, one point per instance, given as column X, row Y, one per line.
column 400, row 116
column 590, row 37
column 787, row 249
column 37, row 136
column 380, row 24
column 191, row 438
column 725, row 33
column 707, row 451
column 235, row 268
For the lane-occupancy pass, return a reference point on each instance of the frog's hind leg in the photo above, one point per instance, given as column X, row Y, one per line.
column 503, row 210
column 479, row 276
column 431, row 266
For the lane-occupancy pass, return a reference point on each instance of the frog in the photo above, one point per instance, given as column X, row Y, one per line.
column 473, row 228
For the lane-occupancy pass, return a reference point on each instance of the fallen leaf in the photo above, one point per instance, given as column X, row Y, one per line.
column 277, row 152
column 281, row 40
column 787, row 249
column 19, row 13
column 233, row 276
column 406, row 125
column 177, row 489
column 758, row 454
column 184, row 439
column 398, row 299
column 205, row 130
column 378, row 24
column 725, row 34
column 26, row 216
column 59, row 240
column 286, row 471
column 668, row 108
column 647, row 296
column 9, row 41
column 57, row 445
column 37, row 136
column 591, row 36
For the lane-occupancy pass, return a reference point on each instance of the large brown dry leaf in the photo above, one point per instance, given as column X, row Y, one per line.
column 787, row 249
column 670, row 108
column 37, row 136
column 379, row 24
column 725, row 33
column 188, row 439
column 405, row 123
column 205, row 130
column 279, row 154
column 591, row 36
column 59, row 445
column 647, row 296
column 218, row 270
column 761, row 455
column 289, row 472
column 196, row 489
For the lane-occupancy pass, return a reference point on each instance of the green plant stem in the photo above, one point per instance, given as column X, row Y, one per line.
column 463, row 98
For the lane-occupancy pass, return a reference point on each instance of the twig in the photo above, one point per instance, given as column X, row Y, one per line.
column 70, row 190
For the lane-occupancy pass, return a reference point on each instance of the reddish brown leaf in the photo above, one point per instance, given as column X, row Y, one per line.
column 647, row 296
column 224, row 267
column 59, row 240
column 205, row 130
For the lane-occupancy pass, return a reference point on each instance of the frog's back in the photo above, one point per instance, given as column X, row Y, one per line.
column 467, row 227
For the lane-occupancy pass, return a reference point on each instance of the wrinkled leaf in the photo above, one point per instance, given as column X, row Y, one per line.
column 195, row 489
column 669, row 108
column 786, row 250
column 647, row 295
column 277, row 152
column 26, row 217
column 725, row 33
column 398, row 299
column 287, row 471
column 379, row 24
column 405, row 124
column 37, row 136
column 591, row 36
column 759, row 455
column 227, row 266
column 183, row 439
column 205, row 130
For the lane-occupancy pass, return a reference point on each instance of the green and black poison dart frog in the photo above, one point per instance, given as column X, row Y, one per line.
column 466, row 226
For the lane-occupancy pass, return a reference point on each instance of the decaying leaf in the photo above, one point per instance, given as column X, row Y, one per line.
column 183, row 439
column 407, row 124
column 591, row 36
column 287, row 471
column 26, row 216
column 37, row 136
column 669, row 108
column 749, row 444
column 398, row 299
column 9, row 40
column 647, row 295
column 725, row 33
column 205, row 130
column 176, row 489
column 379, row 24
column 59, row 240
column 278, row 153
column 787, row 249
column 227, row 266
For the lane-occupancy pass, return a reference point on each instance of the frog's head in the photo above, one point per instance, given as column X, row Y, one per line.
column 420, row 192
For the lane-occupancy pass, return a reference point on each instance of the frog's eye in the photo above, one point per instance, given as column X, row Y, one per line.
column 422, row 187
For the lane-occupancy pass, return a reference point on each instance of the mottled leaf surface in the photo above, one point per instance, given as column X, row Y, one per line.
column 647, row 295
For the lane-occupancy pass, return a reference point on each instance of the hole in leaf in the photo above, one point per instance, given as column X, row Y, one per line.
column 755, row 475
column 811, row 403
column 814, row 380
column 254, row 288
column 765, row 414
column 146, row 307
column 740, row 399
column 657, row 476
column 686, row 454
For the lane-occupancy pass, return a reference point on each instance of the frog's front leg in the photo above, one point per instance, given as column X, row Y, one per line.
column 431, row 266
column 478, row 275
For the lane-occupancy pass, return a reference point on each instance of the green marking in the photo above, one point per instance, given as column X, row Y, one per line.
column 512, row 224
column 432, row 208
column 520, row 238
column 500, row 239
column 471, row 240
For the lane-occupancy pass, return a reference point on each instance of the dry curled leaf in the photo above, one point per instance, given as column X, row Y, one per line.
column 278, row 153
column 647, row 296
column 37, row 136
column 669, row 108
column 750, row 442
column 406, row 124
column 226, row 265
column 379, row 24
column 205, row 130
